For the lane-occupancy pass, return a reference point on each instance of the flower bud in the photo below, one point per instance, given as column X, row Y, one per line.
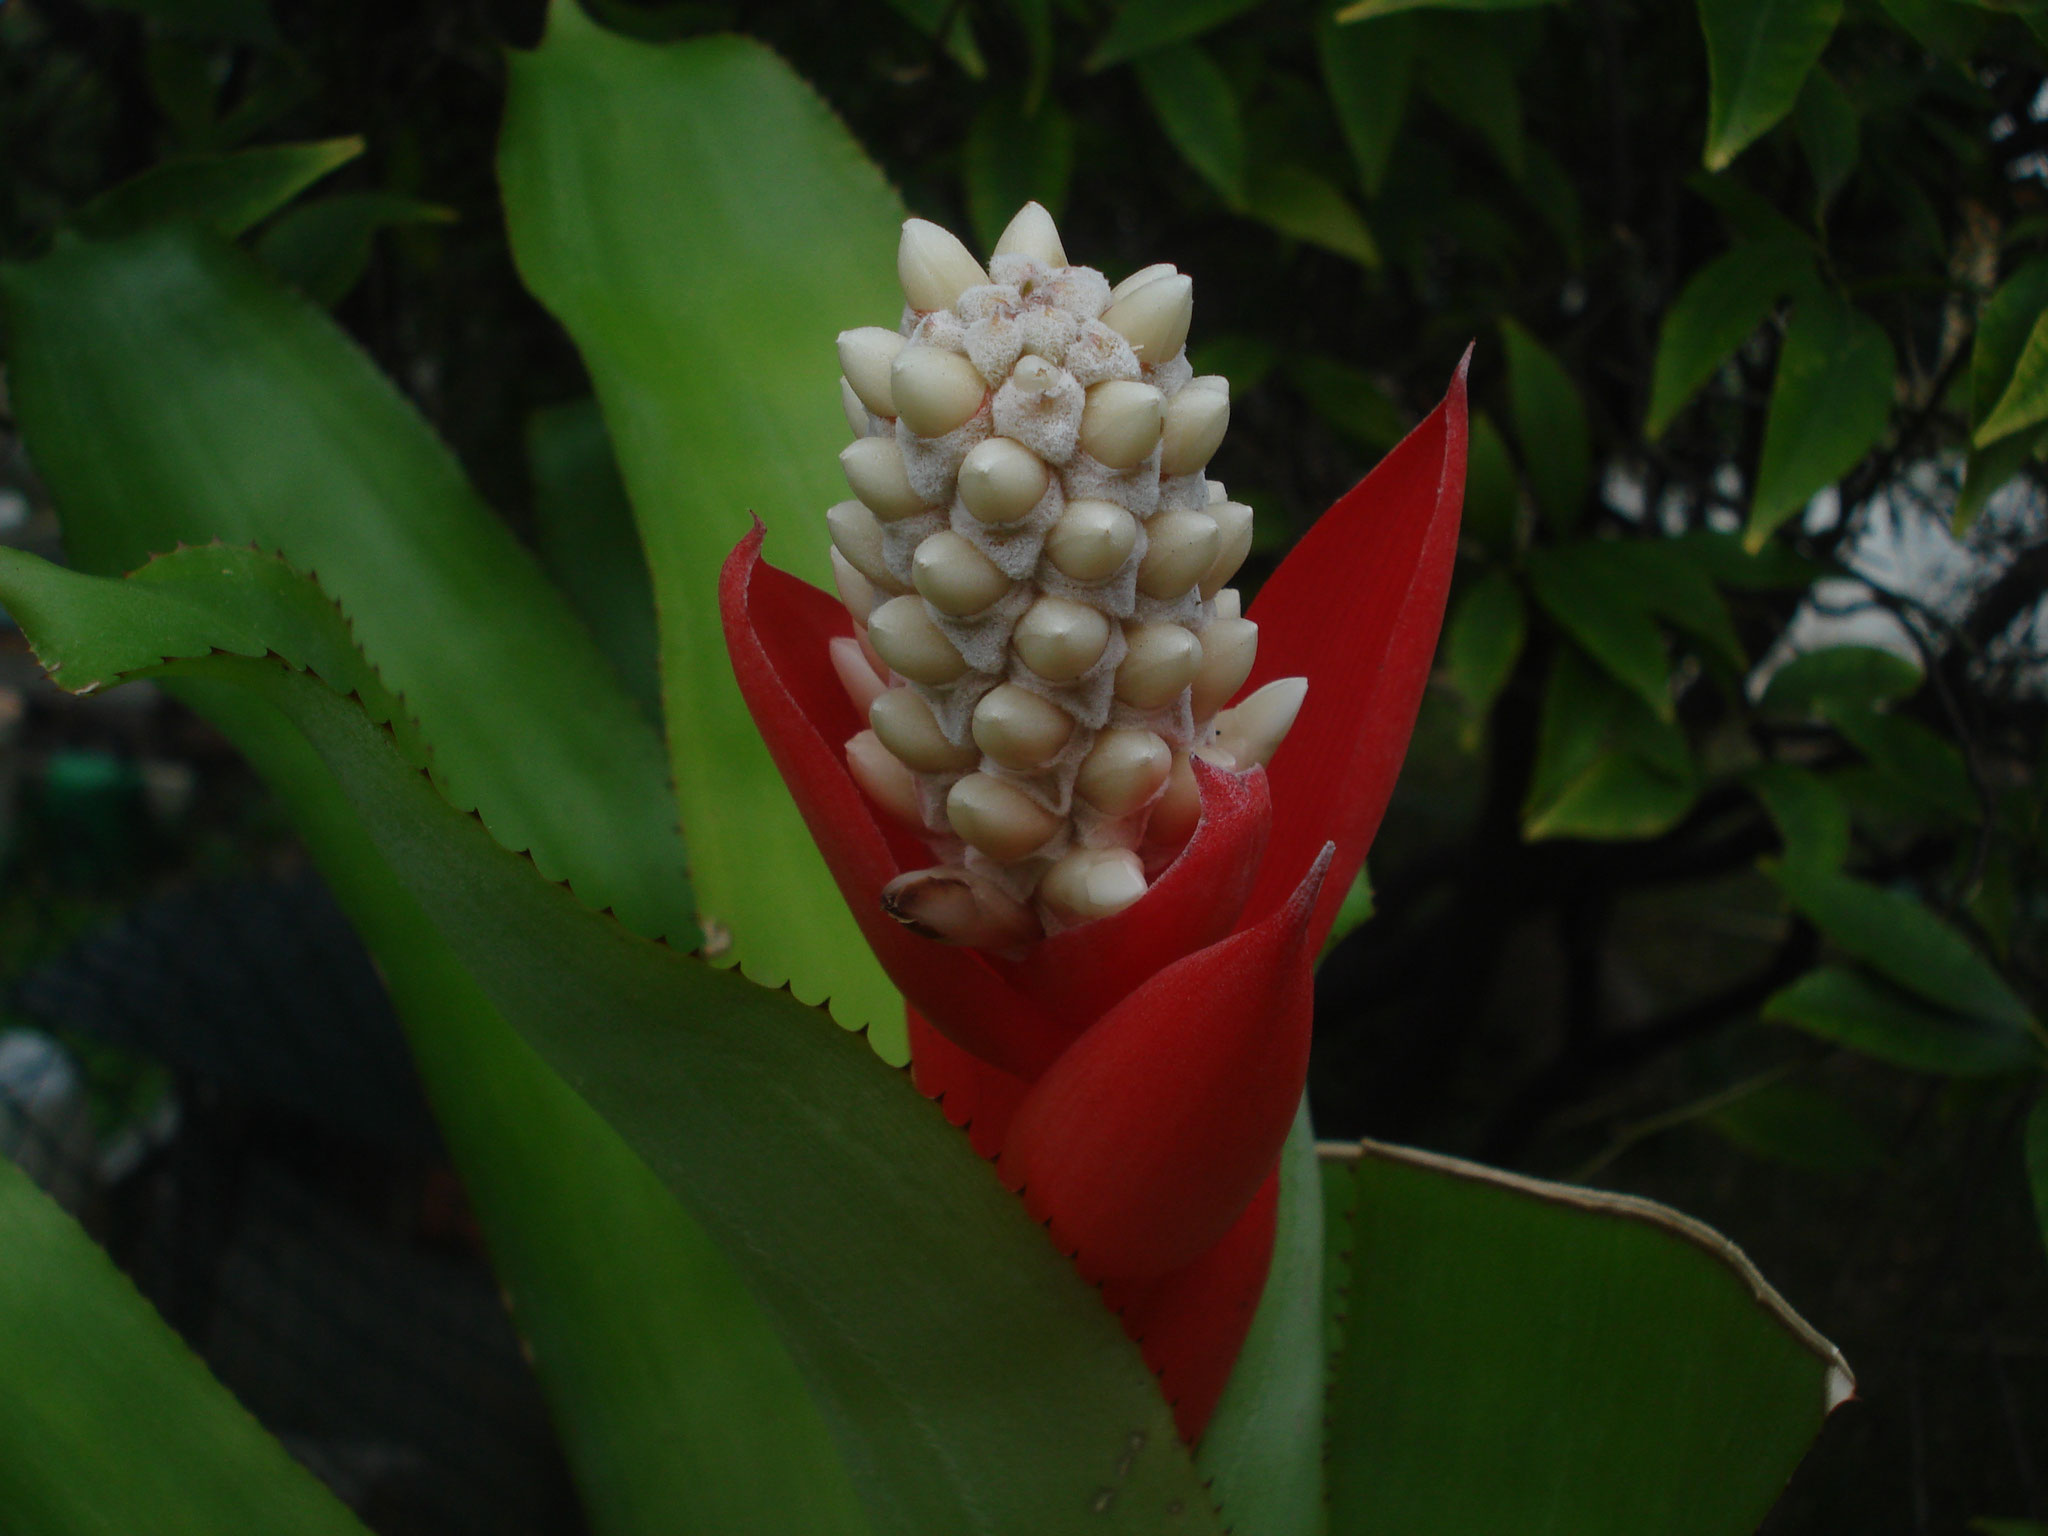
column 934, row 268
column 1092, row 882
column 1228, row 603
column 856, row 413
column 1121, row 421
column 1140, row 278
column 1162, row 660
column 1059, row 640
column 1229, row 647
column 874, row 468
column 905, row 725
column 857, row 675
column 1196, row 420
column 1154, row 317
column 1092, row 540
column 955, row 577
column 998, row 819
column 905, row 637
column 864, row 357
column 934, row 390
column 883, row 778
column 1234, row 523
column 858, row 539
column 1178, row 808
column 957, row 906
column 1032, row 233
column 855, row 590
column 1035, row 375
column 1180, row 547
column 1123, row 771
column 1252, row 732
column 1001, row 480
column 1019, row 729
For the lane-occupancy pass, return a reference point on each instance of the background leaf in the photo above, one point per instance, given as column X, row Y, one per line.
column 1016, row 156
column 703, row 275
column 1366, row 70
column 1303, row 206
column 1483, row 640
column 1140, row 26
column 2025, row 401
column 1841, row 674
column 1801, row 1127
column 225, row 193
column 322, row 248
column 1864, row 1015
column 1720, row 307
column 1758, row 56
column 1828, row 133
column 1593, row 603
column 1550, row 427
column 1195, row 105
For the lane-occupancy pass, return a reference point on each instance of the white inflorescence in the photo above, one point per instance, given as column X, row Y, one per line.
column 1036, row 565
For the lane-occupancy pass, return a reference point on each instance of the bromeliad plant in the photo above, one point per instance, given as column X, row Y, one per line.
column 767, row 1286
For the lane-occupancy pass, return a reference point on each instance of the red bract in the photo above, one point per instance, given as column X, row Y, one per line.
column 1137, row 1076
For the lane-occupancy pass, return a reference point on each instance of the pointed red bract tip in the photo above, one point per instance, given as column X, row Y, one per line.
column 778, row 631
column 1356, row 608
column 1191, row 1325
column 1145, row 1142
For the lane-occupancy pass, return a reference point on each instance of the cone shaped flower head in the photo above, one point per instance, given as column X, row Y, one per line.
column 1093, row 814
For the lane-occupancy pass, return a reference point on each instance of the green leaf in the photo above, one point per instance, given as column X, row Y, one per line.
column 1800, row 1127
column 1606, row 767
column 1484, row 640
column 1904, row 942
column 703, row 273
column 1353, row 912
column 1526, row 1356
column 1550, row 426
column 1950, row 31
column 1840, row 674
column 584, row 534
column 1264, row 1445
column 1366, row 70
column 2005, row 325
column 1365, row 10
column 2025, row 401
column 1811, row 816
column 1830, row 404
column 1592, row 601
column 1016, row 157
column 1758, row 56
column 1198, row 110
column 1616, row 798
column 1983, row 1527
column 929, row 16
column 1830, row 135
column 1493, row 500
column 225, row 193
column 1987, row 470
column 108, row 1422
column 1673, row 583
column 1143, row 25
column 1916, row 759
column 1348, row 399
column 975, row 1381
column 1301, row 205
column 1850, row 1009
column 1722, row 556
column 1719, row 309
column 257, row 421
column 323, row 248
column 2037, row 1161
column 244, row 21
column 1467, row 72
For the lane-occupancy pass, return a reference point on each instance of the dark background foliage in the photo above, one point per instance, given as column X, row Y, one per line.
column 1717, row 870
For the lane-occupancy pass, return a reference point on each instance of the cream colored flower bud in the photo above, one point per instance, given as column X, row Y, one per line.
column 1162, row 660
column 856, row 413
column 906, row 726
column 1180, row 547
column 1228, row 603
column 1059, row 640
column 882, row 776
column 1121, row 421
column 1179, row 808
column 1229, row 647
column 1001, row 480
column 957, row 906
column 1234, row 522
column 934, row 268
column 1092, row 540
column 1154, row 318
column 905, row 637
column 1020, row 729
column 864, row 357
column 857, row 674
column 998, row 819
column 934, row 390
column 955, row 577
column 1123, row 771
column 874, row 468
column 1140, row 278
column 1092, row 882
column 1252, row 732
column 855, row 590
column 1196, row 420
column 1032, row 233
column 1035, row 375
column 858, row 538
column 1216, row 492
